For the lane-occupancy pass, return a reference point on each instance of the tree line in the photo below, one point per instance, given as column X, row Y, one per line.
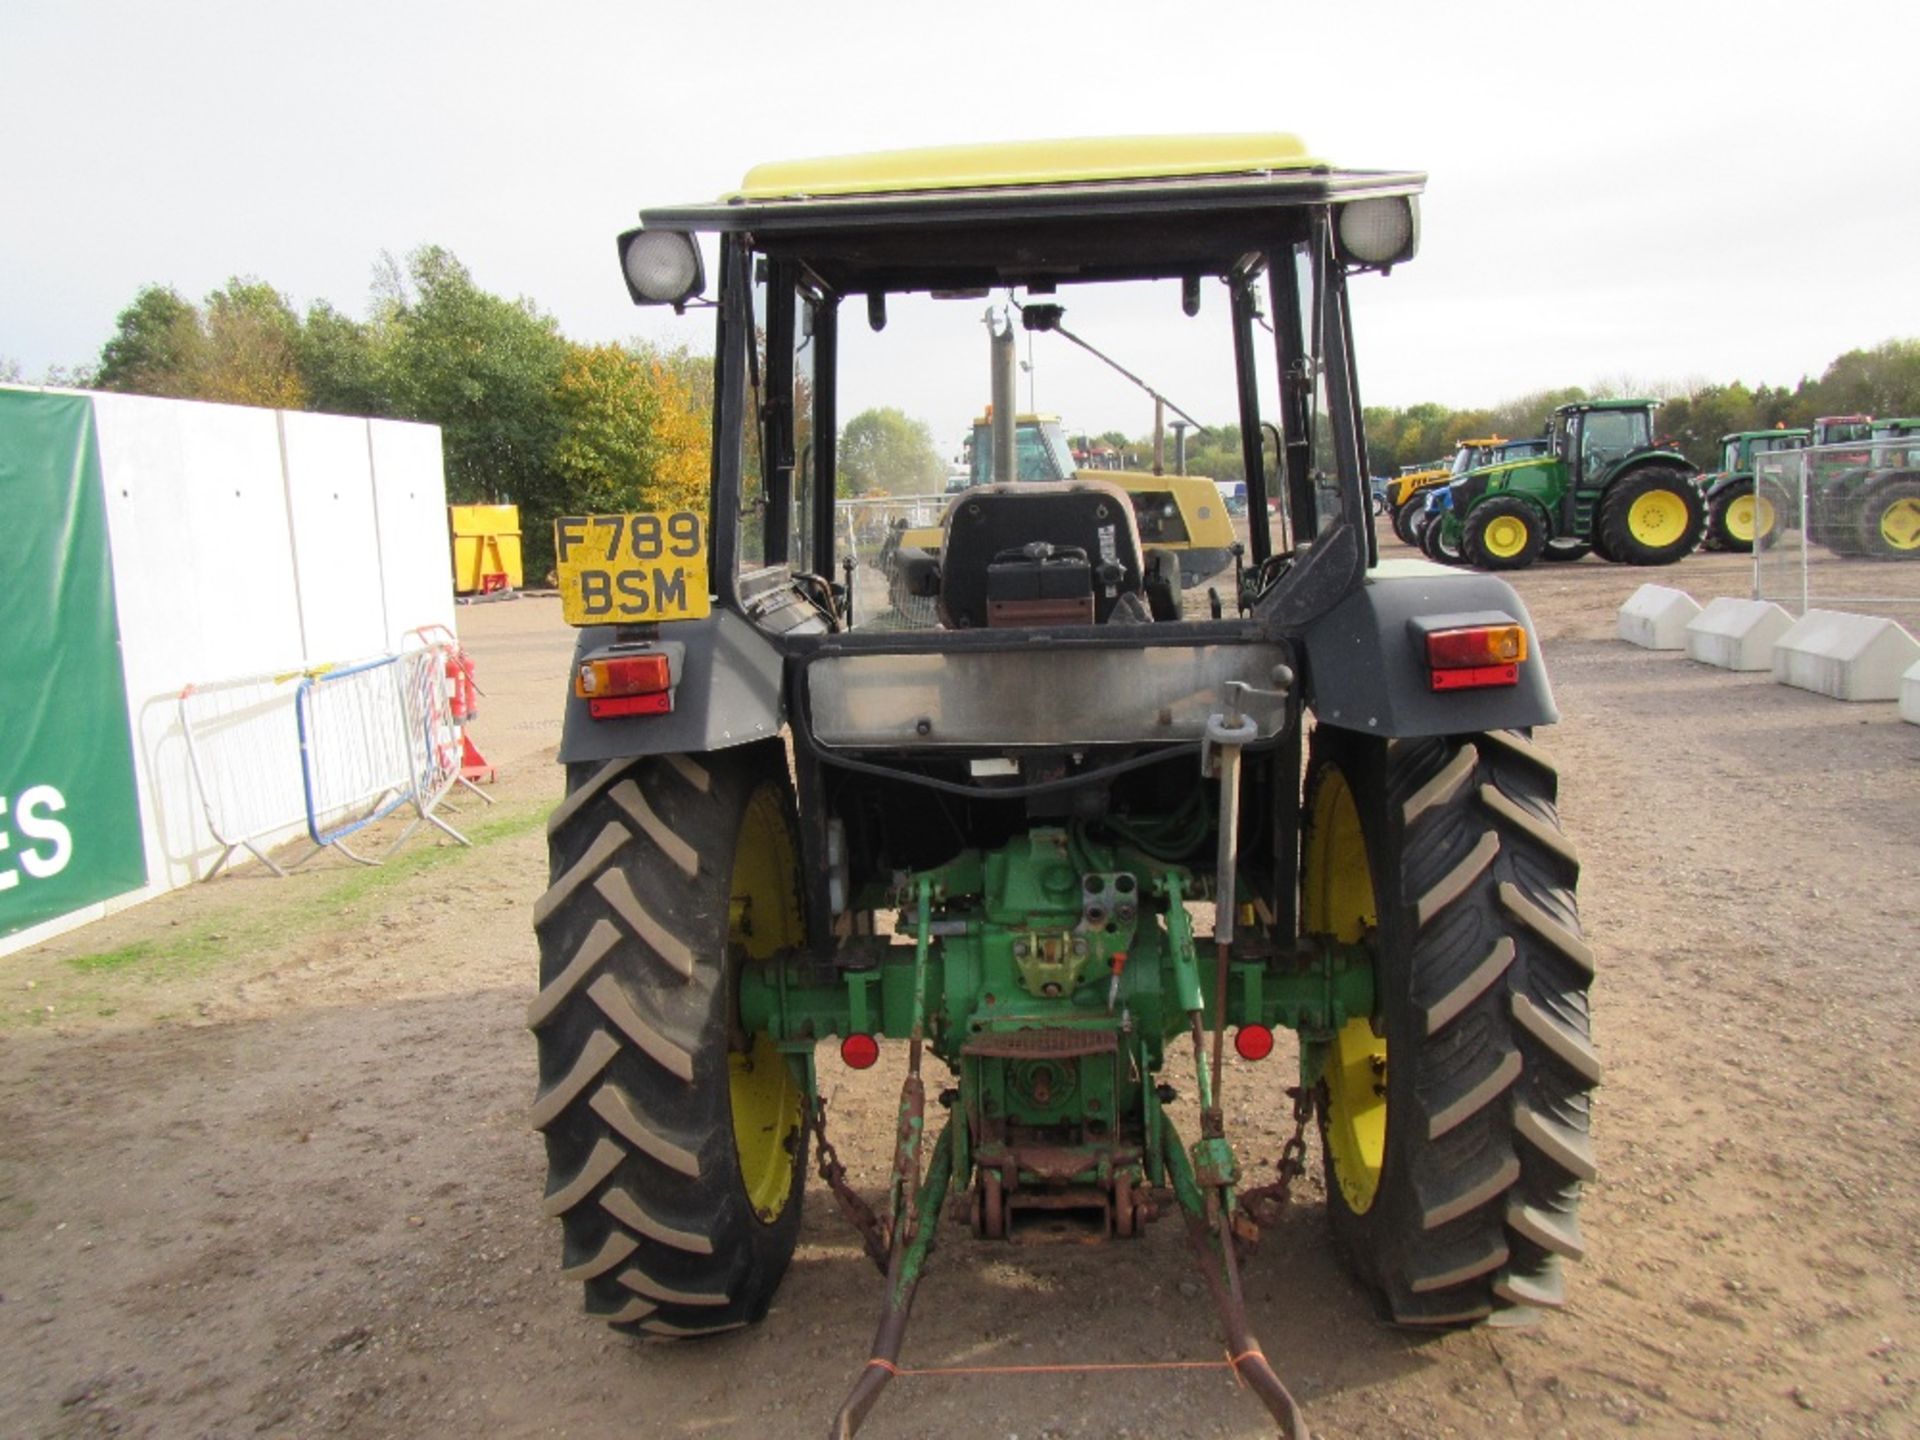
column 531, row 418
column 527, row 416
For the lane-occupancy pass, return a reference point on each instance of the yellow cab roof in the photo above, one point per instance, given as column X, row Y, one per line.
column 1026, row 162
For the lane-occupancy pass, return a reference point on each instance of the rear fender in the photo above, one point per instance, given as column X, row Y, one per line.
column 730, row 693
column 1665, row 459
column 1363, row 668
column 1718, row 485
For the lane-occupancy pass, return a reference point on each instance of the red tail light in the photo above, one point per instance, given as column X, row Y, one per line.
column 1253, row 1042
column 1476, row 656
column 625, row 684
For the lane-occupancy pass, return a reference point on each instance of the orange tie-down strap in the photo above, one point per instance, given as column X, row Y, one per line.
column 1228, row 1361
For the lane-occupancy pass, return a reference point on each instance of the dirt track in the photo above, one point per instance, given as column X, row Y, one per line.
column 264, row 1167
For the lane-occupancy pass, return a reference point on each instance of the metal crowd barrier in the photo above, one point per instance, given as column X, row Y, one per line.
column 374, row 738
column 239, row 735
column 337, row 748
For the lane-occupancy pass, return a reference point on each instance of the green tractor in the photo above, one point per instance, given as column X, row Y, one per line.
column 1051, row 854
column 1871, row 508
column 1603, row 483
column 1738, row 518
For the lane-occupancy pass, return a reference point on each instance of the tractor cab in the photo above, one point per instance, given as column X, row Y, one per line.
column 1040, row 449
column 1472, row 454
column 1592, row 438
column 1896, row 444
column 1841, row 429
column 1737, row 451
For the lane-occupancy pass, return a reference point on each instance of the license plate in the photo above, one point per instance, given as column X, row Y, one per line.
column 631, row 569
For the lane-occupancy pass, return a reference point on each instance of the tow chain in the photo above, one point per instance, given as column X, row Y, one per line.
column 875, row 1234
column 1265, row 1204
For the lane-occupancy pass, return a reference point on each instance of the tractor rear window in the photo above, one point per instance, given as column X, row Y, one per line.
column 1082, row 435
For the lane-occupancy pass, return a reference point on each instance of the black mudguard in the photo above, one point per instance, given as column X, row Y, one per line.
column 1729, row 480
column 730, row 694
column 1364, row 667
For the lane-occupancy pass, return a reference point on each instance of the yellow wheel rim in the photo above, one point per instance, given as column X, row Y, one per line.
column 1900, row 525
column 1338, row 901
column 765, row 916
column 1657, row 518
column 1505, row 537
column 1749, row 516
column 1740, row 518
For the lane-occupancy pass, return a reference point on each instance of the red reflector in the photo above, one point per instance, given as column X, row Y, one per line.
column 859, row 1051
column 1479, row 678
column 630, row 705
column 1253, row 1042
column 1476, row 647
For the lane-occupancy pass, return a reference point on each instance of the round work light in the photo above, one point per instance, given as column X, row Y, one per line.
column 1378, row 231
column 662, row 266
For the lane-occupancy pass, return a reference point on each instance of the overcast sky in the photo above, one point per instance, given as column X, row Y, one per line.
column 1631, row 192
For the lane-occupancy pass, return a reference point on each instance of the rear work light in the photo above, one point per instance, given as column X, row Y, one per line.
column 1473, row 657
column 613, row 683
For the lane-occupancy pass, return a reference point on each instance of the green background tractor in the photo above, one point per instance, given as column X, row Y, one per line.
column 1737, row 517
column 1870, row 508
column 1059, row 849
column 1604, row 483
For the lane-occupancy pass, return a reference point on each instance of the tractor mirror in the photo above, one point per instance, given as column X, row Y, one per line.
column 662, row 267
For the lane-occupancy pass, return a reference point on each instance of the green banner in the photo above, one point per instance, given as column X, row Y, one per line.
column 69, row 813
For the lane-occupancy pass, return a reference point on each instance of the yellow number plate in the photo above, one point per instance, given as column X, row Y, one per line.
column 631, row 569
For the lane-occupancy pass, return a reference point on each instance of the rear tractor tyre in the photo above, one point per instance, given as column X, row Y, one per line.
column 675, row 1147
column 1503, row 533
column 1433, row 543
column 1403, row 522
column 1654, row 516
column 1890, row 521
column 1738, row 519
column 1454, row 1122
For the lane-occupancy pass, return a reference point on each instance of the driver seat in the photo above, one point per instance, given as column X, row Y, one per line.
column 1036, row 553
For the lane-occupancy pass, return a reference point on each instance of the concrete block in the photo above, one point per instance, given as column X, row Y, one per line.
column 1850, row 657
column 1737, row 634
column 1655, row 617
column 1910, row 695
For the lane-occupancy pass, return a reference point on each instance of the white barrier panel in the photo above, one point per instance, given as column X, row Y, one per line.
column 197, row 514
column 1736, row 634
column 410, row 511
column 1910, row 695
column 1655, row 618
column 1850, row 657
column 336, row 551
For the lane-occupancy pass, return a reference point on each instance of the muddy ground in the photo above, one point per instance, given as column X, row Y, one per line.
column 264, row 1165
